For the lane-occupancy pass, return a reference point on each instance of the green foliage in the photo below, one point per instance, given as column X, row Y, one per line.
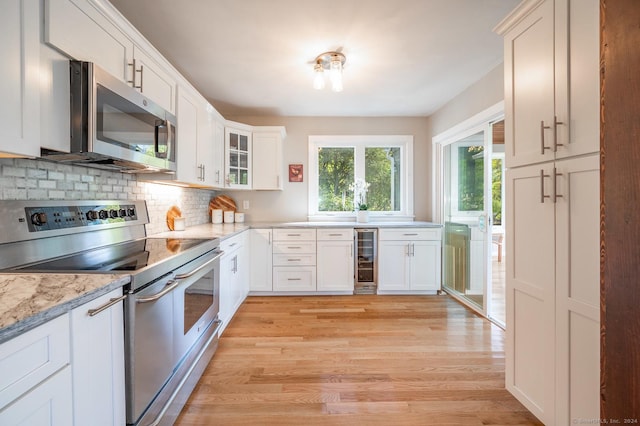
column 382, row 171
column 496, row 190
column 336, row 172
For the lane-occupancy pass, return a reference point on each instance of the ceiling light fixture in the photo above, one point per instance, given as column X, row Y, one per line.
column 333, row 62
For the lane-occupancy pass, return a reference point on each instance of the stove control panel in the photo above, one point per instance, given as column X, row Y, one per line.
column 62, row 217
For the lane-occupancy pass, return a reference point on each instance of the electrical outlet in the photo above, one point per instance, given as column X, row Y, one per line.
column 245, row 204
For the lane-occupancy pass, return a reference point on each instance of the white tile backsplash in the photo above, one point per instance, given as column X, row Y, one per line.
column 24, row 179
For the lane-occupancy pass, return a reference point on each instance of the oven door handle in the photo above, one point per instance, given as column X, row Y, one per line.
column 201, row 267
column 171, row 285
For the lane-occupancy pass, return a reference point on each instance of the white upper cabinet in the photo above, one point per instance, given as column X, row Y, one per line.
column 19, row 78
column 551, row 80
column 152, row 80
column 81, row 31
column 218, row 150
column 267, row 158
column 238, row 156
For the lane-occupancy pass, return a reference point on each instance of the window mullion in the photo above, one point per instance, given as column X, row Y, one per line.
column 360, row 162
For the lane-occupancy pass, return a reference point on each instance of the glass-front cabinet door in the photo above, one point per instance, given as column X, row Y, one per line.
column 237, row 158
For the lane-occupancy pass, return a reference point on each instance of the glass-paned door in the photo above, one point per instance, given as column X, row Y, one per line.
column 467, row 217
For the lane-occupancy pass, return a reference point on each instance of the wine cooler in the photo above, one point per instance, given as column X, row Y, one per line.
column 366, row 267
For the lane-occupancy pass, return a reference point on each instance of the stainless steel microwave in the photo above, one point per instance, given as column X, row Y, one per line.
column 115, row 127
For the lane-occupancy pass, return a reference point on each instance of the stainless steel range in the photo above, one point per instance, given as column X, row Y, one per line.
column 171, row 306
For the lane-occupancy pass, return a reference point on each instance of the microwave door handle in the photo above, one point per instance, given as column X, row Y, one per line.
column 159, row 125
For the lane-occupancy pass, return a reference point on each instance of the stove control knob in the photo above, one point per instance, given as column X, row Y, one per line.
column 39, row 219
column 103, row 214
column 113, row 214
column 122, row 212
column 92, row 215
column 131, row 211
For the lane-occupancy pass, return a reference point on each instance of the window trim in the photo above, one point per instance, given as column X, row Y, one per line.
column 359, row 142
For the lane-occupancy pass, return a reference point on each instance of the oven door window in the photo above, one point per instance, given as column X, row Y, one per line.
column 124, row 124
column 198, row 299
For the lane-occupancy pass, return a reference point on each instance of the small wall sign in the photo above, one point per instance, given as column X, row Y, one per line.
column 295, row 172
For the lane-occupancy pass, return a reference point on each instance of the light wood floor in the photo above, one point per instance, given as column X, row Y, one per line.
column 356, row 360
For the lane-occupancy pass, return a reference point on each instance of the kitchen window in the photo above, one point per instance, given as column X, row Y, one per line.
column 384, row 162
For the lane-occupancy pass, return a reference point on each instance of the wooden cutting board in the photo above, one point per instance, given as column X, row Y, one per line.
column 222, row 202
column 172, row 213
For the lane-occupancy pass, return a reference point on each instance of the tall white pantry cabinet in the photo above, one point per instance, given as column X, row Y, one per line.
column 552, row 213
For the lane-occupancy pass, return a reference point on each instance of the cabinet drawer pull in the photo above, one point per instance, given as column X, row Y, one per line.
column 294, row 260
column 542, row 196
column 293, row 235
column 294, row 248
column 542, row 129
column 110, row 303
column 335, row 235
column 555, row 195
column 294, row 279
column 556, row 123
column 410, row 235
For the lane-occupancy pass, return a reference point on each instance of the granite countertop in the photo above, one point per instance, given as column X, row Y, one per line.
column 228, row 230
column 28, row 300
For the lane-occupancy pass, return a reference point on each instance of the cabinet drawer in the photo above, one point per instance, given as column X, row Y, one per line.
column 294, row 279
column 294, row 247
column 301, row 234
column 294, row 259
column 342, row 234
column 33, row 356
column 409, row 234
column 231, row 244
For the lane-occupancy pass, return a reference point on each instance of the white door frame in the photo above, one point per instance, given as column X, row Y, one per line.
column 475, row 124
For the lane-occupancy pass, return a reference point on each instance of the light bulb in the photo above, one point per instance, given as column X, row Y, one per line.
column 335, row 73
column 318, row 81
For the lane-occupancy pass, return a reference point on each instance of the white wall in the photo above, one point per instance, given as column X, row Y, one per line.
column 291, row 203
column 487, row 91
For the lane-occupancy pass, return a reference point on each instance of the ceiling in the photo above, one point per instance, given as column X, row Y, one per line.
column 255, row 57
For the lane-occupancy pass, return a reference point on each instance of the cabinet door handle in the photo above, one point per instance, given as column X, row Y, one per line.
column 269, row 233
column 133, row 75
column 556, row 123
column 555, row 194
column 217, row 176
column 107, row 305
column 203, row 172
column 201, row 168
column 542, row 129
column 351, row 250
column 542, row 196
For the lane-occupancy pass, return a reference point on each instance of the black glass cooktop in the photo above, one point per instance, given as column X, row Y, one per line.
column 128, row 256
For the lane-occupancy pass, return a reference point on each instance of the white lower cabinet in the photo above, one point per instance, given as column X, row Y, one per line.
column 234, row 277
column 335, row 261
column 97, row 361
column 294, row 260
column 261, row 260
column 48, row 404
column 409, row 260
column 35, row 376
